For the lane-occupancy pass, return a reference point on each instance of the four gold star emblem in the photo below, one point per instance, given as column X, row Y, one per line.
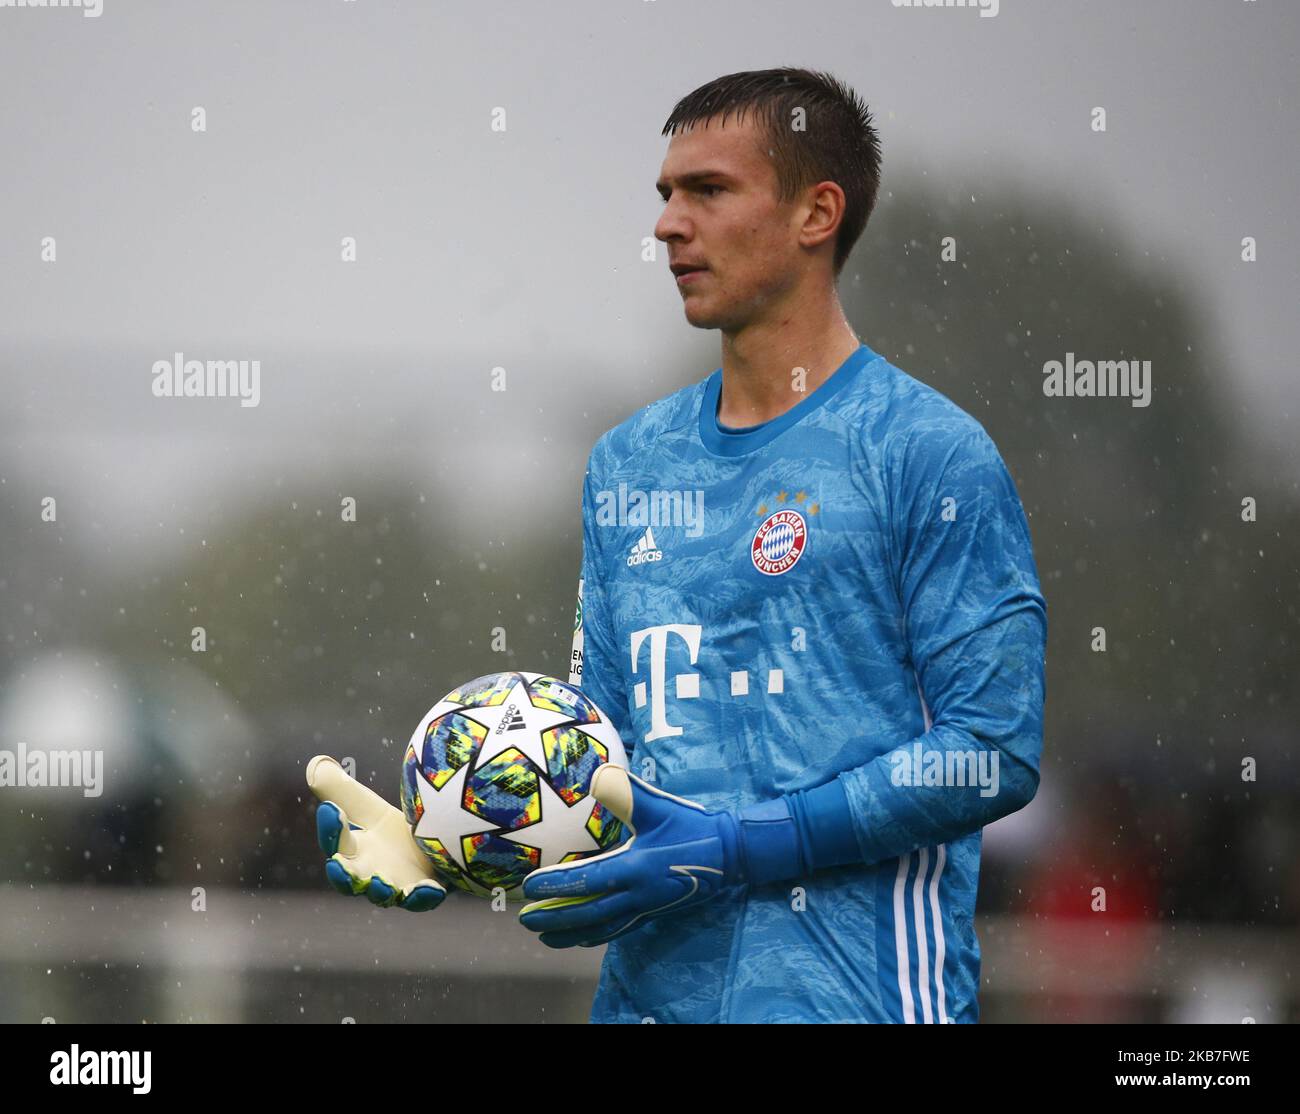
column 799, row 497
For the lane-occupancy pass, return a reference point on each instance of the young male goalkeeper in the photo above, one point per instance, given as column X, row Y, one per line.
column 831, row 681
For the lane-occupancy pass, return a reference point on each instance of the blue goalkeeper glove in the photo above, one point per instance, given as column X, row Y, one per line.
column 678, row 856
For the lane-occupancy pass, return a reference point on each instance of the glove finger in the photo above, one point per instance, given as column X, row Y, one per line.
column 330, row 782
column 612, row 932
column 590, row 877
column 612, row 787
column 380, row 893
column 591, row 937
column 566, row 914
column 423, row 897
column 406, row 878
column 343, row 879
column 329, row 824
column 334, row 830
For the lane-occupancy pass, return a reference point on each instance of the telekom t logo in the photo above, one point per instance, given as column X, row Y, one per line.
column 687, row 684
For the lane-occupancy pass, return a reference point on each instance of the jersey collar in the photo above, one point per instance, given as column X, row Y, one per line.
column 728, row 441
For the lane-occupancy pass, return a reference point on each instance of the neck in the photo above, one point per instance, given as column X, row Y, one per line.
column 759, row 362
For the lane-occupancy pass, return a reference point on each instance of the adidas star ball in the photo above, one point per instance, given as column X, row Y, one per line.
column 495, row 781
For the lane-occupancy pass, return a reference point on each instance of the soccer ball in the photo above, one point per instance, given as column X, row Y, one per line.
column 495, row 781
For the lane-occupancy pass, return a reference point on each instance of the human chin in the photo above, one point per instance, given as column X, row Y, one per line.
column 702, row 313
column 699, row 316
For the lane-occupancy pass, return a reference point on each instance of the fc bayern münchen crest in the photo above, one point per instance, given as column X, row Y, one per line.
column 779, row 542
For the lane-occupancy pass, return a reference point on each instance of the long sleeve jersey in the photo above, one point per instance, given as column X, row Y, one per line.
column 847, row 591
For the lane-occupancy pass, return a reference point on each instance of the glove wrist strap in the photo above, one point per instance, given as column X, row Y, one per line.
column 768, row 842
column 793, row 836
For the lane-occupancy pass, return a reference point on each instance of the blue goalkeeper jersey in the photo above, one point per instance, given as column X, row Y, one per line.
column 846, row 591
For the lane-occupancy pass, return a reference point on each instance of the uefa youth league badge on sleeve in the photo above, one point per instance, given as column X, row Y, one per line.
column 575, row 658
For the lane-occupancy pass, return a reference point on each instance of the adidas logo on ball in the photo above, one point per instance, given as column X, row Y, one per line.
column 513, row 720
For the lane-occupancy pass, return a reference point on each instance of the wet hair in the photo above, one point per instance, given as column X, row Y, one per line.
column 836, row 142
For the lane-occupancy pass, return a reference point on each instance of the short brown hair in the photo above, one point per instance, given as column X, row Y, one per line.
column 839, row 142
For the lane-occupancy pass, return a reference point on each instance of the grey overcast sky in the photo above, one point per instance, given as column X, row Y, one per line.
column 329, row 118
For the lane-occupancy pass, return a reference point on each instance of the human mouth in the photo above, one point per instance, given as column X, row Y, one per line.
column 687, row 272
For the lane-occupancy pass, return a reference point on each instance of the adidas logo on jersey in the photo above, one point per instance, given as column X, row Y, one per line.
column 644, row 550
